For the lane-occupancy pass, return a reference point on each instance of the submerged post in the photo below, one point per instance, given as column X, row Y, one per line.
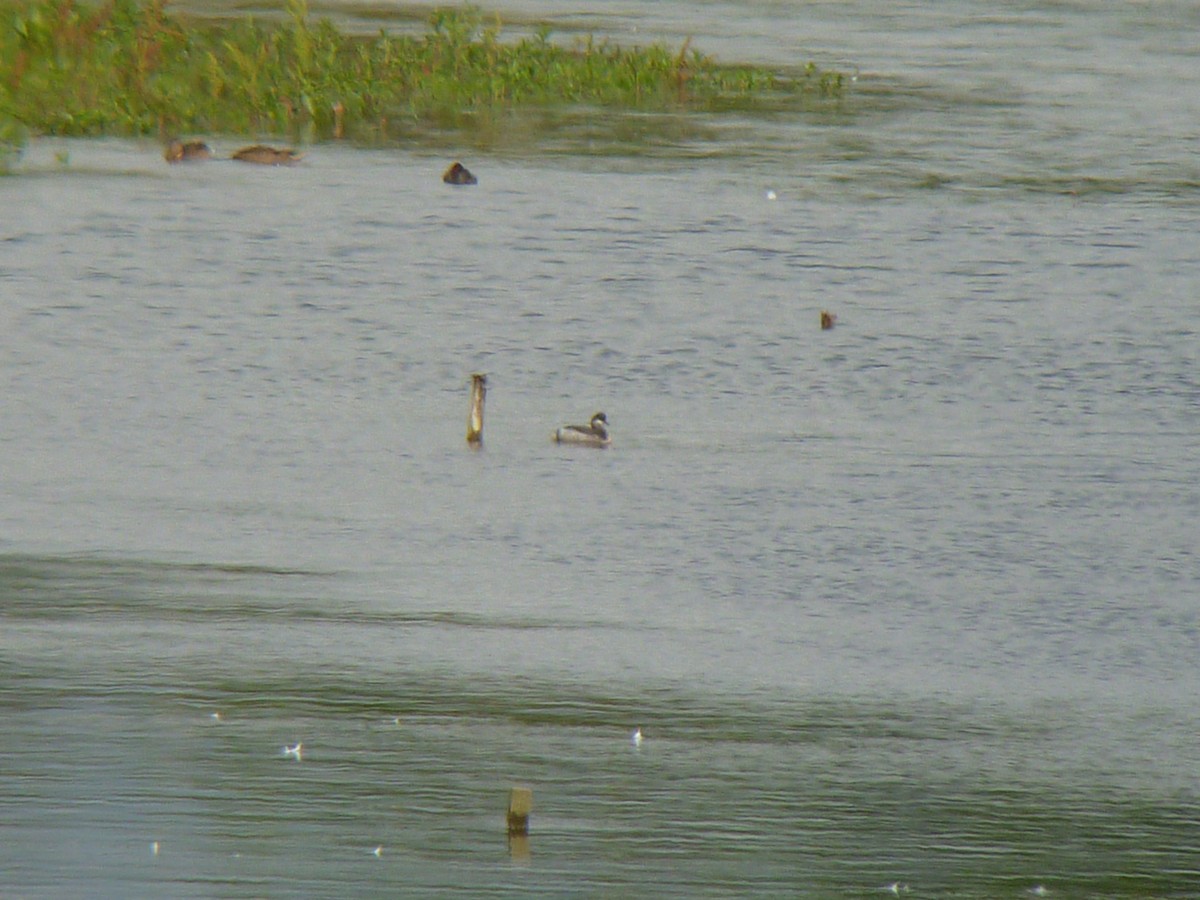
column 520, row 805
column 475, row 421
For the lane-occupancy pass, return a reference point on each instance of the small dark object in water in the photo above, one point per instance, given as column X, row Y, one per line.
column 828, row 320
column 458, row 174
column 268, row 156
column 186, row 151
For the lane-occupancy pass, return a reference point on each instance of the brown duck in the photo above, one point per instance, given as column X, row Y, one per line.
column 459, row 174
column 186, row 151
column 268, row 156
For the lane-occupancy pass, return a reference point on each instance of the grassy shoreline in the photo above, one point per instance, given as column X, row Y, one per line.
column 124, row 67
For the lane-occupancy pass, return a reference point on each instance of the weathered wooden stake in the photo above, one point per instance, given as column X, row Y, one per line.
column 475, row 421
column 520, row 805
column 339, row 120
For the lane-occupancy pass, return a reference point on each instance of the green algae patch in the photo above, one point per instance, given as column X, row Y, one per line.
column 130, row 68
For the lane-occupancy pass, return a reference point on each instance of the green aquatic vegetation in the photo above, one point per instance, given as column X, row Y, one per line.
column 128, row 67
column 12, row 138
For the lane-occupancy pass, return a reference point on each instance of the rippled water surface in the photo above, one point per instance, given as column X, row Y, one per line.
column 908, row 607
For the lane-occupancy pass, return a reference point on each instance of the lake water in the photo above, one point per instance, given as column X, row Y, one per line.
column 909, row 607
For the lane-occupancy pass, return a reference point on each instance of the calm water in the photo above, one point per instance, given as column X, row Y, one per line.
column 912, row 602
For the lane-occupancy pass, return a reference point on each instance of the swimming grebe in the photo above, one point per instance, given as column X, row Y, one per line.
column 186, row 151
column 594, row 434
column 268, row 156
column 459, row 174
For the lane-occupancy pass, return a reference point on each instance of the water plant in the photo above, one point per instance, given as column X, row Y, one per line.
column 129, row 67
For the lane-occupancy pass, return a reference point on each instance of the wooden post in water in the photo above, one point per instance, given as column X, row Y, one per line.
column 520, row 805
column 475, row 421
